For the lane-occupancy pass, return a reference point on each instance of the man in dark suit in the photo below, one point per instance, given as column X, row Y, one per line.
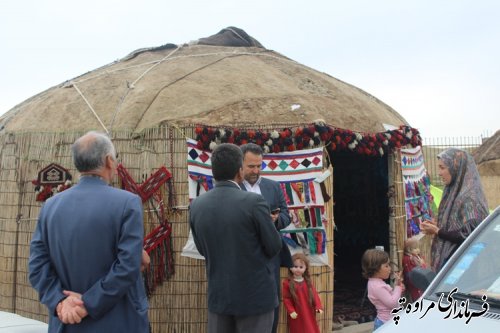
column 271, row 191
column 86, row 251
column 233, row 230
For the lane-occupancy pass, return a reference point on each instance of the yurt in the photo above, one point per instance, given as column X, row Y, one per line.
column 165, row 108
column 487, row 158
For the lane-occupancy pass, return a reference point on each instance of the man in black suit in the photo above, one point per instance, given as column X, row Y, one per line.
column 234, row 231
column 271, row 191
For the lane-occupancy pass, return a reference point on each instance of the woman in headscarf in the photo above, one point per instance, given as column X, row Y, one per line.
column 463, row 205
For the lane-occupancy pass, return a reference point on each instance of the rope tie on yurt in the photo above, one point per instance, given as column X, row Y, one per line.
column 132, row 85
column 177, row 80
column 90, row 107
column 179, row 130
column 234, row 53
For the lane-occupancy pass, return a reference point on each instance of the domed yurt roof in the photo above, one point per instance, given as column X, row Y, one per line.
column 227, row 78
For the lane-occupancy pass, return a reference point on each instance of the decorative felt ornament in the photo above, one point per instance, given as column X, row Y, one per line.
column 51, row 180
column 333, row 139
column 158, row 243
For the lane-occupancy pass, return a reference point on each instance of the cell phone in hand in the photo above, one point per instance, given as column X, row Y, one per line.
column 275, row 210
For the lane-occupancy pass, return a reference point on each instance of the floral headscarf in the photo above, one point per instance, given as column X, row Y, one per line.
column 463, row 205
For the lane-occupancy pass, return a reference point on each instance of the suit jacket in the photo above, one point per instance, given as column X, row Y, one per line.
column 271, row 191
column 233, row 230
column 89, row 240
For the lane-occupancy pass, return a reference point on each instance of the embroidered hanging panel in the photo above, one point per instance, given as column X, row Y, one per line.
column 296, row 172
column 416, row 182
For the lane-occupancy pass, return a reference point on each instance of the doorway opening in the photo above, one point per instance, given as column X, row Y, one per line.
column 361, row 215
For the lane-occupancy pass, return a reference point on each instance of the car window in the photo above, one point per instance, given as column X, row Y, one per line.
column 477, row 270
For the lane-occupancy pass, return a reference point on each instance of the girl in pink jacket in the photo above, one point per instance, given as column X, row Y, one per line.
column 376, row 268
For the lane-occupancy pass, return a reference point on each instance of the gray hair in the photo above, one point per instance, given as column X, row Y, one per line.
column 252, row 148
column 90, row 151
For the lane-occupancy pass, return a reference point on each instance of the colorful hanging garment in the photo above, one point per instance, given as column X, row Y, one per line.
column 200, row 178
column 295, row 171
column 416, row 185
column 311, row 240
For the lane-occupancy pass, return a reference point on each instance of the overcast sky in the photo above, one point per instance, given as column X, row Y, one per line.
column 436, row 62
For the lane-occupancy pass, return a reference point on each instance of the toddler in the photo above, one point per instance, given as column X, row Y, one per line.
column 412, row 259
column 376, row 268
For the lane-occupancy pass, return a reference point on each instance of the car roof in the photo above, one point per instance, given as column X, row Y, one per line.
column 14, row 323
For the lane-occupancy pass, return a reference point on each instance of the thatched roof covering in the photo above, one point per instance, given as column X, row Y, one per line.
column 227, row 79
column 489, row 150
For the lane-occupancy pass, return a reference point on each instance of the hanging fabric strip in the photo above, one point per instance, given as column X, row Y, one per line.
column 289, row 192
column 417, row 190
column 324, row 220
column 210, row 182
column 324, row 192
column 298, row 189
column 321, row 237
column 294, row 217
column 285, row 194
column 312, row 215
column 200, row 181
column 171, row 194
column 313, row 239
column 302, row 218
column 317, row 238
column 306, row 191
column 307, row 218
column 312, row 191
column 289, row 240
column 317, row 213
column 312, row 243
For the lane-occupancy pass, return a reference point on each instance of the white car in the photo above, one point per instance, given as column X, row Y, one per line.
column 465, row 294
column 13, row 323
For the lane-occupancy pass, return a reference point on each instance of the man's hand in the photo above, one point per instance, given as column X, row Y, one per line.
column 294, row 315
column 71, row 310
column 145, row 260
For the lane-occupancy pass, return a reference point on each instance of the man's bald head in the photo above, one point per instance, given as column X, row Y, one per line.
column 90, row 151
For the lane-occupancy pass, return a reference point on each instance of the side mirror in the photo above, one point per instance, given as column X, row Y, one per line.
column 421, row 277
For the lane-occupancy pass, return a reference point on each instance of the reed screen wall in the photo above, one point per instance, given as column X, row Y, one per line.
column 179, row 304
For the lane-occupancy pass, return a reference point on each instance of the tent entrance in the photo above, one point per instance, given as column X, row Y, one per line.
column 361, row 214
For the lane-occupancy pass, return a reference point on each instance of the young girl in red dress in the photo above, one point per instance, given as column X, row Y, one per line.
column 412, row 259
column 300, row 297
